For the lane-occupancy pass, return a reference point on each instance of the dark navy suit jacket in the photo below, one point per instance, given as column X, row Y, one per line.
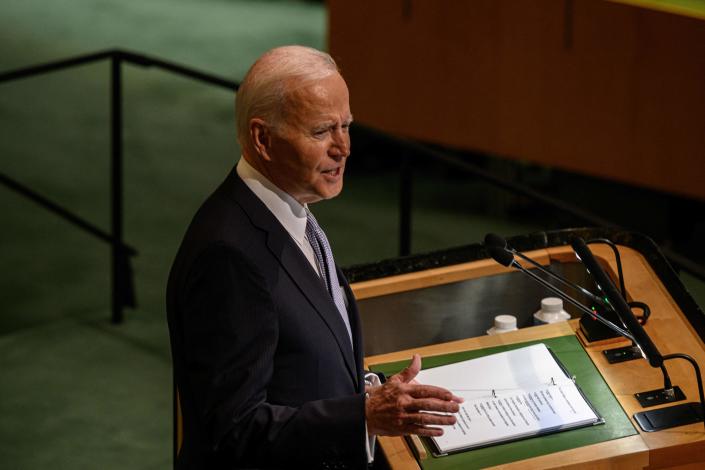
column 262, row 359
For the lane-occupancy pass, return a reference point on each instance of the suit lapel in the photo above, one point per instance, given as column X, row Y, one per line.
column 355, row 326
column 310, row 284
column 296, row 265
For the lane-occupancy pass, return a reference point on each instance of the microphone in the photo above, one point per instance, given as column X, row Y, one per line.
column 617, row 303
column 497, row 247
column 498, row 250
column 504, row 255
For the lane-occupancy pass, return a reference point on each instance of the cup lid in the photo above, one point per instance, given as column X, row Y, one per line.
column 552, row 304
column 505, row 322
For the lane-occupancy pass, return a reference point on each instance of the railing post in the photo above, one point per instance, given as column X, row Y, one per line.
column 118, row 263
column 406, row 176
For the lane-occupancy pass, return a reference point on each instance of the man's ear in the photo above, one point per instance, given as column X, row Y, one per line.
column 261, row 137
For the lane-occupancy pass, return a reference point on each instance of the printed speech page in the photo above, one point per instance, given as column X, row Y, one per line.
column 508, row 396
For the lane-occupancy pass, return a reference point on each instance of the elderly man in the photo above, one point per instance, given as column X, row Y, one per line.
column 264, row 329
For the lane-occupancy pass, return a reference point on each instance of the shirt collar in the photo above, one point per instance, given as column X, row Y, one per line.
column 288, row 211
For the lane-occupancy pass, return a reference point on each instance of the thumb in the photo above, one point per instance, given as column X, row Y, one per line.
column 408, row 374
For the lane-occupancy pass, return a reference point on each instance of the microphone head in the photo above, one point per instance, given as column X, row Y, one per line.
column 494, row 240
column 497, row 248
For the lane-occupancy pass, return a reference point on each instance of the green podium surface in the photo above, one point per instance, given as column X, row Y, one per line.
column 571, row 353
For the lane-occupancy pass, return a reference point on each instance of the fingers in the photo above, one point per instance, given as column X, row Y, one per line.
column 408, row 374
column 423, row 431
column 423, row 424
column 432, row 404
column 429, row 419
column 431, row 391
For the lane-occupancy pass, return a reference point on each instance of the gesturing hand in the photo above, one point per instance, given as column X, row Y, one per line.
column 401, row 406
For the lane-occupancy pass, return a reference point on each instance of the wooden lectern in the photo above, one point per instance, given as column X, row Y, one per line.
column 676, row 325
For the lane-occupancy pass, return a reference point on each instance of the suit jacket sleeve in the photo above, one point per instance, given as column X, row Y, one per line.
column 230, row 330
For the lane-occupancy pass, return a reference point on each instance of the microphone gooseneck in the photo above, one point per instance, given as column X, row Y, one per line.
column 502, row 253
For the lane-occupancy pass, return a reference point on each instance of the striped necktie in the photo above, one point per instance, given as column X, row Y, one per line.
column 324, row 256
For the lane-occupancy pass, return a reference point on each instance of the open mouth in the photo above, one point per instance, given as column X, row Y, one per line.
column 333, row 171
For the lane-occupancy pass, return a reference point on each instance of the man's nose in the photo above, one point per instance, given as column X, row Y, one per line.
column 341, row 144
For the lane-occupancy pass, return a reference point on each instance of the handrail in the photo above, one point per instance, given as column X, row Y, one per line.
column 148, row 61
column 121, row 273
column 54, row 66
column 133, row 58
column 61, row 211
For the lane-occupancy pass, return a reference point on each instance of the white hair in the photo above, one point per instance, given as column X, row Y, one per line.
column 267, row 84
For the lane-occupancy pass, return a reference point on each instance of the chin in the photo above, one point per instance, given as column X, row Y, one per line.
column 327, row 193
column 335, row 191
column 320, row 192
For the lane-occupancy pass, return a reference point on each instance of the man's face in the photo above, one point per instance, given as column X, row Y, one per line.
column 308, row 152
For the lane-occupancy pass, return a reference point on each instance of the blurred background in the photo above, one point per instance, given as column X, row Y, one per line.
column 547, row 115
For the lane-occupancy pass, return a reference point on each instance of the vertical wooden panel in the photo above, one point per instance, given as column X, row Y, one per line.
column 623, row 98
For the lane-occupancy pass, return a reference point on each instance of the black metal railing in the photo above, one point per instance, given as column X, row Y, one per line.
column 122, row 284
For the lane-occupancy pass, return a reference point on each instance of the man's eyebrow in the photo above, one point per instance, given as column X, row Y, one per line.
column 323, row 124
column 326, row 123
